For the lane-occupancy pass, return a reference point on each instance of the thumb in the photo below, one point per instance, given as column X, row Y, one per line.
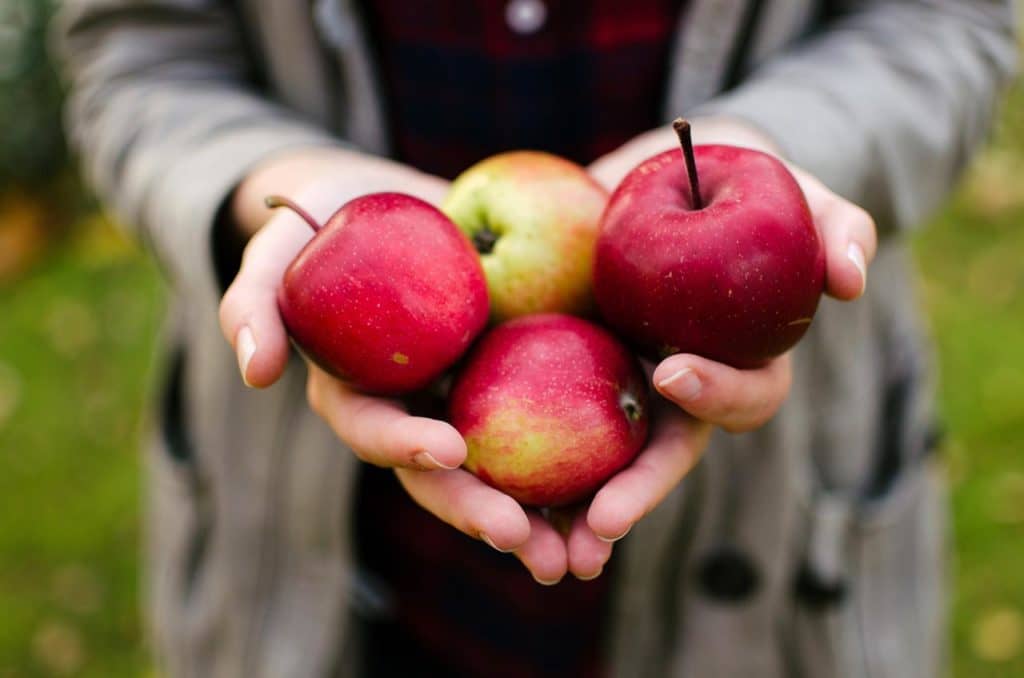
column 848, row 234
column 249, row 317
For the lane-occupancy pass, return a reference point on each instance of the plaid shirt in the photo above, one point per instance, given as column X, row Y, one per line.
column 461, row 84
column 466, row 79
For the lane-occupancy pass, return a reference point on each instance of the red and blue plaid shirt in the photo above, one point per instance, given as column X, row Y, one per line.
column 465, row 79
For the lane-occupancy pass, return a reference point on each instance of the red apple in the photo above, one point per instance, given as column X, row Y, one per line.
column 550, row 406
column 533, row 218
column 734, row 275
column 387, row 295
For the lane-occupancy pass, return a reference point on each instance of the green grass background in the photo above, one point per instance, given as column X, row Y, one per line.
column 77, row 350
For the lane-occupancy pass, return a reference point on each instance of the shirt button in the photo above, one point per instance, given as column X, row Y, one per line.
column 526, row 17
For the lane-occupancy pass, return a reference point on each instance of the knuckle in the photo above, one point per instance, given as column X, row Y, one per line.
column 826, row 203
column 360, row 411
column 870, row 229
column 865, row 217
column 253, row 247
column 861, row 219
column 462, row 519
column 830, row 202
column 758, row 411
column 364, row 455
column 226, row 310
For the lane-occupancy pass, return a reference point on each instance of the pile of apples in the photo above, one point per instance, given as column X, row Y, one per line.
column 711, row 251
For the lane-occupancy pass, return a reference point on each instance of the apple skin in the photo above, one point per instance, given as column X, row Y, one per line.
column 737, row 281
column 386, row 296
column 550, row 406
column 544, row 212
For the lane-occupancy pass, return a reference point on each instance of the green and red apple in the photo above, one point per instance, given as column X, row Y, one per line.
column 550, row 407
column 533, row 217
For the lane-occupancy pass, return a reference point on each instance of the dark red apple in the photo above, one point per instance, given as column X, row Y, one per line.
column 729, row 267
column 550, row 406
column 387, row 295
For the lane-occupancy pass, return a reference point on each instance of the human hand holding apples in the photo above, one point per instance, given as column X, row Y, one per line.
column 384, row 434
column 320, row 180
column 379, row 430
column 740, row 400
column 708, row 392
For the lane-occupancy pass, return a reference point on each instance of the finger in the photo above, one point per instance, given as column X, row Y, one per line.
column 463, row 501
column 609, row 169
column 736, row 400
column 428, row 188
column 848, row 234
column 249, row 317
column 544, row 553
column 850, row 242
column 587, row 553
column 676, row 444
column 380, row 431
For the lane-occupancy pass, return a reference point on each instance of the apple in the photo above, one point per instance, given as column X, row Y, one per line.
column 727, row 265
column 533, row 218
column 550, row 407
column 386, row 296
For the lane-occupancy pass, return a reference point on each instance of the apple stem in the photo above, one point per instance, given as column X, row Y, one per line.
column 682, row 128
column 273, row 201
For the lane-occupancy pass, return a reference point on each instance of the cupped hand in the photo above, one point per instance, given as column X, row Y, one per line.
column 708, row 393
column 380, row 431
column 424, row 452
column 320, row 181
column 742, row 400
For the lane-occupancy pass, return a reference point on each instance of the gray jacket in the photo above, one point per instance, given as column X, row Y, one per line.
column 813, row 546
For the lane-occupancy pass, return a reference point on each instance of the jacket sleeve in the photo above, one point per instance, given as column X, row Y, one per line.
column 162, row 110
column 886, row 103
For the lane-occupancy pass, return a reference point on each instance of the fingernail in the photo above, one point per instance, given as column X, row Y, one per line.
column 487, row 540
column 684, row 385
column 546, row 582
column 245, row 346
column 591, row 577
column 855, row 254
column 612, row 540
column 426, row 460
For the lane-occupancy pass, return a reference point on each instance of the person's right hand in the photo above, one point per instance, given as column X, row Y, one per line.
column 320, row 181
column 424, row 452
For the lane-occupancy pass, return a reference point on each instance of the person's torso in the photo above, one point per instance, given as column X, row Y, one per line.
column 252, row 535
column 462, row 81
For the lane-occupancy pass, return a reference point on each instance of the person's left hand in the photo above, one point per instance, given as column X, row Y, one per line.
column 737, row 400
column 706, row 393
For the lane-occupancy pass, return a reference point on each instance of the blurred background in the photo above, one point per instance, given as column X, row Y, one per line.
column 81, row 308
